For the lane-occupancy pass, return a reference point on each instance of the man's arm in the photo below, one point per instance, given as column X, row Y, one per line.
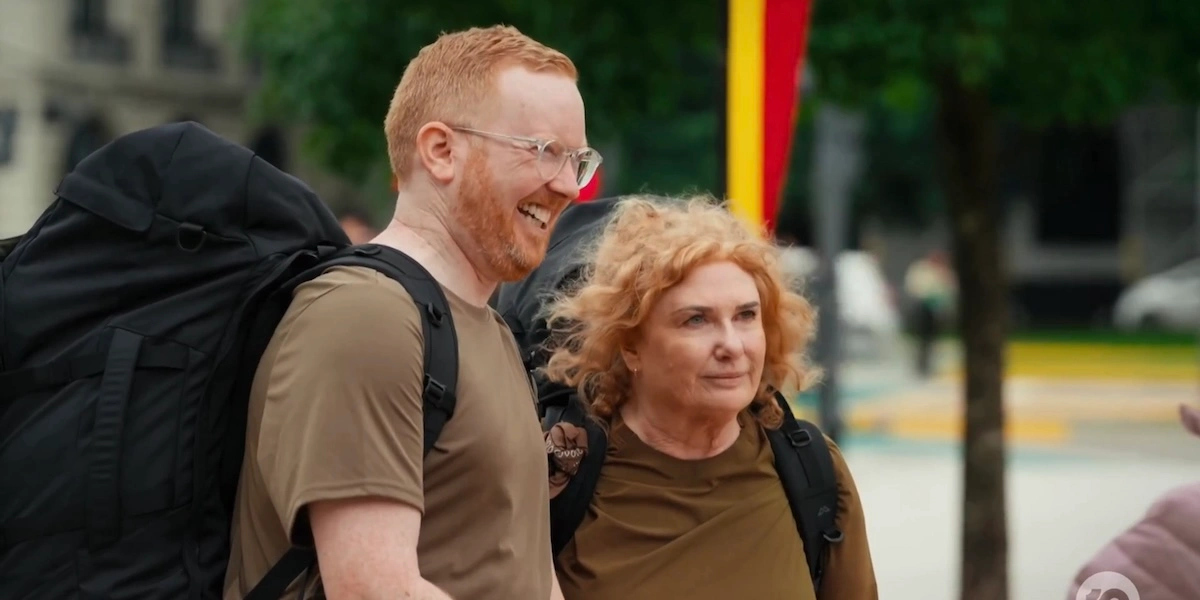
column 367, row 549
column 342, row 430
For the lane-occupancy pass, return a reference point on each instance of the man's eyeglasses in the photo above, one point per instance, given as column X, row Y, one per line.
column 551, row 155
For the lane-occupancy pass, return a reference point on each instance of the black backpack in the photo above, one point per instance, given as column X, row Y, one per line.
column 132, row 318
column 801, row 455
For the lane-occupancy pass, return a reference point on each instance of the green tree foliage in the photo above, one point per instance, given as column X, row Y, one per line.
column 334, row 65
column 983, row 63
column 953, row 70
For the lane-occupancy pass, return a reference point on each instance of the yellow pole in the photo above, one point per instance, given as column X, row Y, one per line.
column 744, row 106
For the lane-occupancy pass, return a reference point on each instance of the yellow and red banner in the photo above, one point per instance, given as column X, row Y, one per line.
column 766, row 42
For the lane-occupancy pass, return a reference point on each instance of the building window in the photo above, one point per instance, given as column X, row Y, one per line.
column 8, row 135
column 179, row 21
column 91, row 37
column 89, row 17
column 182, row 46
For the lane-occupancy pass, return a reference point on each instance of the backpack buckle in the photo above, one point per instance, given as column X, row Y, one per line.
column 435, row 315
column 833, row 536
column 798, row 438
column 434, row 391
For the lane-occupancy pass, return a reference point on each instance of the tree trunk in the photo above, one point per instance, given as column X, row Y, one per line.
column 967, row 150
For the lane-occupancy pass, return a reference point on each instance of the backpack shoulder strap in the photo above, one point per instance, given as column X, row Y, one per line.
column 441, row 374
column 806, row 469
column 437, row 325
column 568, row 508
column 295, row 562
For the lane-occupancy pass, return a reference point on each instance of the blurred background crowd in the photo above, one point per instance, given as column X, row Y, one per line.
column 1094, row 211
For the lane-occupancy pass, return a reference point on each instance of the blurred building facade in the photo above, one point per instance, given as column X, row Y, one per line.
column 74, row 74
column 1088, row 211
column 1161, row 186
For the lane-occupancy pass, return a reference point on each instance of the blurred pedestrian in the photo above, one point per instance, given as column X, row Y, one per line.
column 931, row 286
column 358, row 225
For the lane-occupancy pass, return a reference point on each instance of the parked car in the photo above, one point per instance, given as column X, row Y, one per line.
column 1168, row 301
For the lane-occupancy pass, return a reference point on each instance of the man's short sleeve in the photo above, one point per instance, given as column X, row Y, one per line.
column 342, row 416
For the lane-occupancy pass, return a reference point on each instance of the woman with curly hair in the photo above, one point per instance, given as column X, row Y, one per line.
column 677, row 339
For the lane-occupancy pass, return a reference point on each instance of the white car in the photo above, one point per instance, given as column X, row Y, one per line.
column 1169, row 301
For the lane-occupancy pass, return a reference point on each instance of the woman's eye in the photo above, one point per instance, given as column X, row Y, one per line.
column 694, row 320
column 749, row 315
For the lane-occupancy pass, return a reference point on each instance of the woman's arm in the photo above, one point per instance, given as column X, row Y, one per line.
column 849, row 572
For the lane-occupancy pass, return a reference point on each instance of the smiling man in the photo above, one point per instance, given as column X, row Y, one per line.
column 486, row 139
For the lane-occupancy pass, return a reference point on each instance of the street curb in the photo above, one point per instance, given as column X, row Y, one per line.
column 948, row 425
column 950, row 428
column 1100, row 361
column 1038, row 410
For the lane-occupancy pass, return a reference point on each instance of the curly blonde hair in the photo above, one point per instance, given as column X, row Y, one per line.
column 649, row 246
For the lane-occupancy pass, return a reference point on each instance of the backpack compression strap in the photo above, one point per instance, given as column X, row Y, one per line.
column 441, row 377
column 805, row 467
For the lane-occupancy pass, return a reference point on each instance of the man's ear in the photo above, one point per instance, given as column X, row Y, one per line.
column 435, row 151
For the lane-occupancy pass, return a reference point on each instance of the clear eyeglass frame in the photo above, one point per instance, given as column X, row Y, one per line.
column 552, row 155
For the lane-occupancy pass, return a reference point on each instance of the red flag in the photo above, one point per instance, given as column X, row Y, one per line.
column 591, row 191
column 766, row 50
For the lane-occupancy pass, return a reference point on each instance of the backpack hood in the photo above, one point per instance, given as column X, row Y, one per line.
column 182, row 169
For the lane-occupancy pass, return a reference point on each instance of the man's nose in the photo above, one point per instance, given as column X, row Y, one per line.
column 565, row 182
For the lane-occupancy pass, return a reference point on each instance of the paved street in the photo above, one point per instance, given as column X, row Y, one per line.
column 1064, row 504
column 1094, row 439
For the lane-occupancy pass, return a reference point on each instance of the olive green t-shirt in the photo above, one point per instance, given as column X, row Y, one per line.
column 336, row 412
column 711, row 529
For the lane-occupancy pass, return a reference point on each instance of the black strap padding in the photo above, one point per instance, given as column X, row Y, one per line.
column 805, row 469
